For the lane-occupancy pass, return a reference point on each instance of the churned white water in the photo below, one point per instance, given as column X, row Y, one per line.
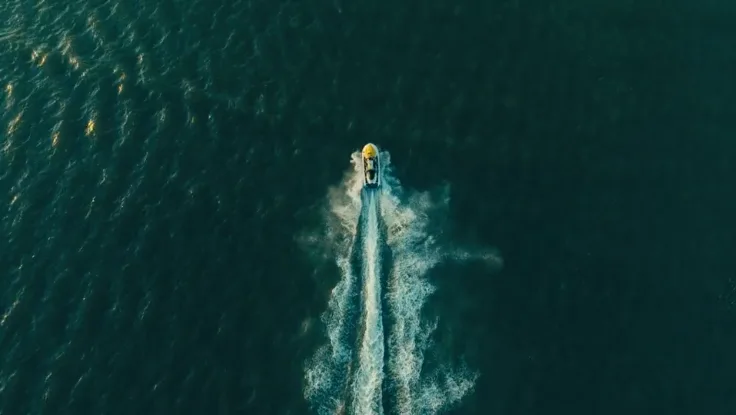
column 407, row 217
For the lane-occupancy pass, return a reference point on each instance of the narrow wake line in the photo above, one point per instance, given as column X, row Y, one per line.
column 369, row 377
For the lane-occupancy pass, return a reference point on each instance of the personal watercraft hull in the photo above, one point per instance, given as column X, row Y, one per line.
column 371, row 166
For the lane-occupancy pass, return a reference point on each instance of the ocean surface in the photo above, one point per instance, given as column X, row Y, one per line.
column 184, row 230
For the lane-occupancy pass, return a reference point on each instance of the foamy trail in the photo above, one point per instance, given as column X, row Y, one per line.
column 369, row 376
column 326, row 373
column 334, row 382
column 415, row 251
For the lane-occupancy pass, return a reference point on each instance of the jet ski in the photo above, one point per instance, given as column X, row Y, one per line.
column 371, row 166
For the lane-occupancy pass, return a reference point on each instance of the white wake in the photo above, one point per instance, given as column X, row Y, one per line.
column 407, row 217
column 326, row 373
column 369, row 377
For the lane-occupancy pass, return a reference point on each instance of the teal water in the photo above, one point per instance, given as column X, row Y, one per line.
column 165, row 168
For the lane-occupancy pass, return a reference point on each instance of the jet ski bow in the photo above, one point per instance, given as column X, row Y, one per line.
column 371, row 166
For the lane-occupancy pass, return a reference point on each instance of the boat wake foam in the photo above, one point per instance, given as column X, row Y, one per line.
column 363, row 358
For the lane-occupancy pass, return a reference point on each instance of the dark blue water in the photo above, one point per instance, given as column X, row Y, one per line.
column 160, row 163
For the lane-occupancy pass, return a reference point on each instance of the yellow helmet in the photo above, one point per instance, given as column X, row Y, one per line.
column 369, row 151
